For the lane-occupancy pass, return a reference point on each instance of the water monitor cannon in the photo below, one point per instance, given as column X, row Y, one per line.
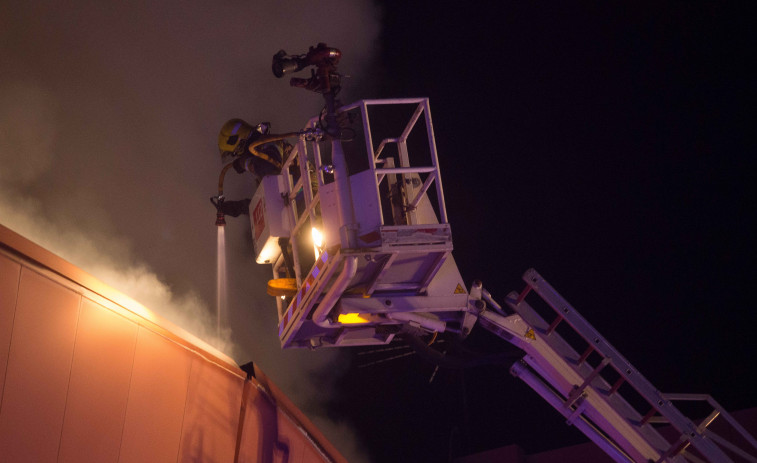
column 323, row 79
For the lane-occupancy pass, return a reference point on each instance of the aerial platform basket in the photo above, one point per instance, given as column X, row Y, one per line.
column 383, row 257
column 381, row 264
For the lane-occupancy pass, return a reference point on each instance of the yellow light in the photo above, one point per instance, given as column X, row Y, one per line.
column 317, row 237
column 351, row 318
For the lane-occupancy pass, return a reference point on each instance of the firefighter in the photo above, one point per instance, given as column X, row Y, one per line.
column 234, row 143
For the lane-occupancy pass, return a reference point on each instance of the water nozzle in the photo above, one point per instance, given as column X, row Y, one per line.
column 232, row 208
column 218, row 203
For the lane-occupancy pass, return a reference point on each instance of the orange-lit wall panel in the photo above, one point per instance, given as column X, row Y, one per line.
column 10, row 272
column 39, row 362
column 271, row 435
column 158, row 391
column 211, row 416
column 99, row 385
column 289, row 436
column 258, row 440
column 86, row 378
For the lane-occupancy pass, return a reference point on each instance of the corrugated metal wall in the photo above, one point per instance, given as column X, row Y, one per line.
column 85, row 379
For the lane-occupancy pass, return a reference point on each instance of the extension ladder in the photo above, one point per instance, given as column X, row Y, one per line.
column 587, row 387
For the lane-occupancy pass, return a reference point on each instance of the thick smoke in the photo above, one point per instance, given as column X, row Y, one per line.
column 109, row 114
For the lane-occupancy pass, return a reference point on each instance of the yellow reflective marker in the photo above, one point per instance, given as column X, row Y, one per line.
column 351, row 318
column 530, row 334
column 459, row 289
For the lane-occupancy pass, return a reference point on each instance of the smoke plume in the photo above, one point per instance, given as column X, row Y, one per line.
column 109, row 115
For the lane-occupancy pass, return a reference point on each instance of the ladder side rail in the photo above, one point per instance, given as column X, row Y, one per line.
column 718, row 411
column 595, row 435
column 643, row 442
column 556, row 361
column 655, row 398
column 564, row 350
column 553, row 368
column 592, row 337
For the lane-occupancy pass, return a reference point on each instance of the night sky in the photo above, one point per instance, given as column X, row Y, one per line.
column 608, row 146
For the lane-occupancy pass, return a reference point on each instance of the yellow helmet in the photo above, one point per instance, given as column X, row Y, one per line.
column 232, row 140
column 236, row 134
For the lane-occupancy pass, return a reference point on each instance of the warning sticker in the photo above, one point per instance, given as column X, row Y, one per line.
column 459, row 289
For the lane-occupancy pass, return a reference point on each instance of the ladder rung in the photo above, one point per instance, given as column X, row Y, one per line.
column 659, row 420
column 616, row 386
column 577, row 391
column 523, row 295
column 586, row 355
column 645, row 419
column 554, row 324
